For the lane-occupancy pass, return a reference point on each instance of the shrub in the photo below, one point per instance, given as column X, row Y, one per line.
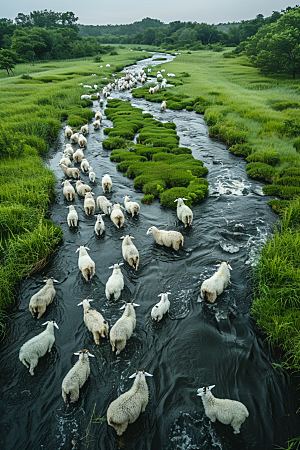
column 260, row 171
column 76, row 121
column 267, row 156
column 296, row 144
column 148, row 199
column 288, row 181
column 278, row 205
column 240, row 149
column 115, row 142
column 272, row 189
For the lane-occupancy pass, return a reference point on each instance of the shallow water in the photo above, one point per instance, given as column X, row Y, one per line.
column 195, row 345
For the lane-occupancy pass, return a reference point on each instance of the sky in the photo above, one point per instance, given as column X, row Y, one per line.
column 99, row 12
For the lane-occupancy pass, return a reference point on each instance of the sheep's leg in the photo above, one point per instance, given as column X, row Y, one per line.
column 137, row 262
column 74, row 395
column 50, row 346
column 176, row 245
column 33, row 364
column 65, row 397
column 96, row 335
column 236, row 425
column 85, row 273
column 41, row 311
column 120, row 346
column 121, row 428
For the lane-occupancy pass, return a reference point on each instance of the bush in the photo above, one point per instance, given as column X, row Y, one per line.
column 296, row 144
column 241, row 150
column 111, row 143
column 267, row 156
column 278, row 205
column 260, row 171
column 147, row 199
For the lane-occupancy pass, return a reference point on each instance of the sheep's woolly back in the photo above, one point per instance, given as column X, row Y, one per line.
column 127, row 408
column 39, row 301
column 86, row 264
column 131, row 207
column 123, row 329
column 184, row 213
column 117, row 216
column 130, row 252
column 215, row 285
column 115, row 283
column 168, row 238
column 161, row 307
column 95, row 322
column 104, row 204
column 75, row 379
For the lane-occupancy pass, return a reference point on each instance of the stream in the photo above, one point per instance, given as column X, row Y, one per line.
column 197, row 344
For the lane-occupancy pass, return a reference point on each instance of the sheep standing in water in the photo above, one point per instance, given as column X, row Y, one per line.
column 94, row 321
column 130, row 252
column 215, row 285
column 72, row 217
column 168, row 238
column 39, row 301
column 117, row 216
column 104, row 204
column 99, row 225
column 184, row 213
column 127, row 408
column 89, row 203
column 115, row 283
column 106, row 183
column 68, row 190
column 161, row 307
column 123, row 328
column 85, row 263
column 131, row 207
column 76, row 377
column 163, row 106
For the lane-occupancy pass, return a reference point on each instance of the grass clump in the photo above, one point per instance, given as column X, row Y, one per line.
column 260, row 171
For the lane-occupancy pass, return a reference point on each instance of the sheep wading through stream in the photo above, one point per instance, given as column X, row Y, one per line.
column 94, row 321
column 123, row 328
column 72, row 217
column 38, row 346
column 168, row 238
column 127, row 408
column 39, row 301
column 215, row 285
column 184, row 213
column 68, row 190
column 161, row 307
column 115, row 283
column 130, row 252
column 229, row 412
column 76, row 377
column 85, row 263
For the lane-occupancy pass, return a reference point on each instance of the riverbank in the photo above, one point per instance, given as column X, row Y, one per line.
column 33, row 104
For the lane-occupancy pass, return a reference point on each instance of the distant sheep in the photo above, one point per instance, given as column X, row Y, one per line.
column 94, row 321
column 96, row 124
column 84, row 129
column 128, row 406
column 117, row 216
column 104, row 204
column 115, row 283
column 161, row 307
column 98, row 116
column 130, row 252
column 65, row 160
column 76, row 377
column 215, row 285
column 122, row 330
column 92, row 175
column 106, row 183
column 84, row 165
column 89, row 204
column 78, row 155
column 229, row 412
column 99, row 225
column 38, row 346
column 74, row 138
column 184, row 213
column 68, row 131
column 163, row 106
column 39, row 301
column 68, row 190
column 82, row 188
column 72, row 217
column 131, row 207
column 71, row 172
column 82, row 141
column 85, row 263
column 168, row 238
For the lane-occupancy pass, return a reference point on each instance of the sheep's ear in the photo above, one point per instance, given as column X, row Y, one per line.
column 120, row 264
column 55, row 281
column 185, row 199
column 131, row 237
column 79, row 304
column 176, row 200
column 123, row 237
column 168, row 293
column 159, row 295
column 133, row 375
column 89, row 354
column 87, row 248
column 55, row 324
column 135, row 304
column 77, row 353
column 111, row 267
column 229, row 266
column 210, row 387
column 148, row 374
column 123, row 307
column 46, row 323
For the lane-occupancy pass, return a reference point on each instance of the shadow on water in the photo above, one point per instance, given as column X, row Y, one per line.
column 195, row 345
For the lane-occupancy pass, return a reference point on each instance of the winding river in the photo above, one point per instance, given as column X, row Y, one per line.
column 195, row 345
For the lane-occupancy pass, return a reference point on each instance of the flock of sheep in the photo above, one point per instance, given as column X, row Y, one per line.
column 128, row 406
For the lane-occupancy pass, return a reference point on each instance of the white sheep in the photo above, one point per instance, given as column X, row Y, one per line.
column 38, row 346
column 82, row 188
column 72, row 217
column 92, row 175
column 215, row 285
column 117, row 216
column 115, row 283
column 163, row 106
column 161, row 307
column 69, row 149
column 99, row 225
column 106, row 183
column 98, row 116
column 68, row 190
column 104, row 204
column 84, row 129
column 68, row 131
column 184, row 213
column 130, row 252
column 84, row 165
column 78, row 155
column 74, row 138
column 229, row 412
column 39, row 301
column 123, row 328
column 168, row 238
column 71, row 172
column 94, row 321
column 65, row 160
column 96, row 124
column 128, row 406
column 89, row 204
column 82, row 141
column 131, row 207
column 101, row 101
column 76, row 377
column 85, row 262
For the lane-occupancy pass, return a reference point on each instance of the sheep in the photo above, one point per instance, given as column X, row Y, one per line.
column 92, row 175
column 65, row 160
column 94, row 321
column 104, row 204
column 168, row 238
column 82, row 141
column 38, row 346
column 84, row 165
column 76, row 377
column 128, row 406
column 39, row 301
column 98, row 116
column 85, row 263
column 68, row 190
column 82, row 188
column 72, row 217
column 130, row 252
column 84, row 129
column 117, row 216
column 184, row 213
column 123, row 328
column 68, row 131
column 89, row 203
column 96, row 124
column 163, row 106
column 74, row 138
column 215, row 285
column 229, row 412
column 85, row 96
column 106, row 183
column 99, row 225
column 131, row 207
column 78, row 155
column 115, row 283
column 161, row 307
column 101, row 101
column 70, row 172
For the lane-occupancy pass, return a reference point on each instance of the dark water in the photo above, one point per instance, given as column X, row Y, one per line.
column 195, row 345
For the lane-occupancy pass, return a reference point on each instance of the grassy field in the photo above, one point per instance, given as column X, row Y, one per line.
column 33, row 104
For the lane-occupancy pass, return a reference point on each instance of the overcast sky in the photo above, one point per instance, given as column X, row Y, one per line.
column 99, row 12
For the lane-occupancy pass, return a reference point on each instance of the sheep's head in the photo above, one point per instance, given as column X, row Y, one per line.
column 202, row 391
column 51, row 321
column 150, row 230
column 84, row 352
column 142, row 372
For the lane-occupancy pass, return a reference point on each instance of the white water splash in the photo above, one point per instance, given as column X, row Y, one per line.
column 229, row 248
column 231, row 187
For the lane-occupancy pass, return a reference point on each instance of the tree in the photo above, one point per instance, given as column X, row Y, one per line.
column 8, row 60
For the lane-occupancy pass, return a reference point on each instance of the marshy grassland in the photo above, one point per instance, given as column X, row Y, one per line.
column 33, row 104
